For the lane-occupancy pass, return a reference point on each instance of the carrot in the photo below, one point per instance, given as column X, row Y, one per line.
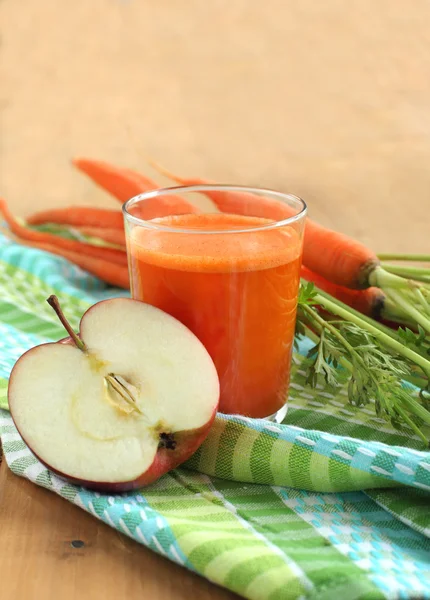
column 79, row 216
column 112, row 236
column 110, row 254
column 110, row 272
column 370, row 302
column 164, row 206
column 125, row 183
column 335, row 256
column 240, row 203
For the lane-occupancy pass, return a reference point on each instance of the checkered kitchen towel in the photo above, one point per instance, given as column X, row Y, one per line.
column 333, row 504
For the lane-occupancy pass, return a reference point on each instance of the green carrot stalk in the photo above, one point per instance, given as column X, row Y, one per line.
column 376, row 330
column 416, row 273
column 405, row 257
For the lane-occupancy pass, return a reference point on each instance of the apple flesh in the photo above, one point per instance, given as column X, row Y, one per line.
column 113, row 409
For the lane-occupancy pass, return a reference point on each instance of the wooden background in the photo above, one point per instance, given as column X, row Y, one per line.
column 329, row 100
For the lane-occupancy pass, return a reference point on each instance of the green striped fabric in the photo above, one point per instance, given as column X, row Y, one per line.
column 333, row 503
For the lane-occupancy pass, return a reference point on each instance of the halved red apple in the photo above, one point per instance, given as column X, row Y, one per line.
column 130, row 398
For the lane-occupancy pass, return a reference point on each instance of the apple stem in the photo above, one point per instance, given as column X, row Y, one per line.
column 53, row 301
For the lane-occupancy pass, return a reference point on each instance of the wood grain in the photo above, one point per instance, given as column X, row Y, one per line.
column 37, row 559
column 326, row 100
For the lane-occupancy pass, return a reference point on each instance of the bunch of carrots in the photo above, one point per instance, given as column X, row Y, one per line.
column 351, row 285
column 337, row 264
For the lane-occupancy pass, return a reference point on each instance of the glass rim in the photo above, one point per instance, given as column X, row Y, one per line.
column 149, row 224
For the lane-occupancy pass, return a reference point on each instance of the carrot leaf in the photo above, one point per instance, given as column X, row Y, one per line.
column 373, row 363
column 418, row 342
column 307, row 293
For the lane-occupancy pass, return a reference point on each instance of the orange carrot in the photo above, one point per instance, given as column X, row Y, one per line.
column 370, row 301
column 240, row 203
column 125, row 183
column 110, row 272
column 335, row 256
column 30, row 235
column 79, row 216
column 164, row 206
column 112, row 236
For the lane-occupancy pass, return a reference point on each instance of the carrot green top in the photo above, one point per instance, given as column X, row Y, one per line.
column 215, row 252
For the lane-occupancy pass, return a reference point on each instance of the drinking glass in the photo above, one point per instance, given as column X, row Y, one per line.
column 225, row 261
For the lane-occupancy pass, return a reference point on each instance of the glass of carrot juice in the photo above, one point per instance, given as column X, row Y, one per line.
column 225, row 260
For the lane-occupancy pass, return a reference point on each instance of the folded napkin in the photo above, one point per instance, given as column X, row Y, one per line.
column 269, row 511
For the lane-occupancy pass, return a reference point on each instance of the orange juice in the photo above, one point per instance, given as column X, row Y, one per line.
column 236, row 290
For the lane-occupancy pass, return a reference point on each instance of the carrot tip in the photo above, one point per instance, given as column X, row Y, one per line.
column 77, row 161
column 164, row 171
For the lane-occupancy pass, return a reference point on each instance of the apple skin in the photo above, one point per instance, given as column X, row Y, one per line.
column 164, row 461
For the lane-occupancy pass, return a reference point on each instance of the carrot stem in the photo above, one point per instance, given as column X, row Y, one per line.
column 417, row 408
column 359, row 315
column 376, row 329
column 403, row 293
column 410, row 308
column 418, row 273
column 411, row 257
column 411, row 424
column 320, row 324
column 421, row 299
column 412, row 406
column 383, row 279
column 335, row 332
column 390, row 312
column 310, row 334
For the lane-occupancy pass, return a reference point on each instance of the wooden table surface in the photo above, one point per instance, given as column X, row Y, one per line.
column 327, row 100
